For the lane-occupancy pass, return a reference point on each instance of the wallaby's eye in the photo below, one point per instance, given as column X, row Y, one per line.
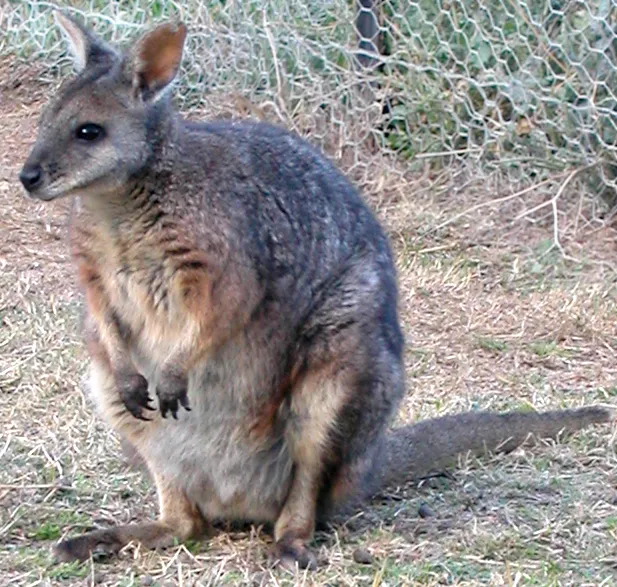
column 89, row 132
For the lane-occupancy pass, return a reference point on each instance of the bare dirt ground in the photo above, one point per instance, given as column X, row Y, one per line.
column 494, row 319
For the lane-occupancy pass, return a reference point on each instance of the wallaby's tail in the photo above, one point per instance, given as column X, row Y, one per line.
column 415, row 451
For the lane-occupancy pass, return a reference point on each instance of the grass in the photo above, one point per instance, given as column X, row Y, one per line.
column 485, row 329
column 543, row 348
column 491, row 344
column 46, row 531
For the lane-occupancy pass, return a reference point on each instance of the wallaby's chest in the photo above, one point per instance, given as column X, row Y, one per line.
column 137, row 280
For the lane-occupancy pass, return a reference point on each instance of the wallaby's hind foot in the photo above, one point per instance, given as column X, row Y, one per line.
column 180, row 520
column 107, row 542
column 291, row 553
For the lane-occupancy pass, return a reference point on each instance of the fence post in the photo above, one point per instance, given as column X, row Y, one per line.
column 367, row 29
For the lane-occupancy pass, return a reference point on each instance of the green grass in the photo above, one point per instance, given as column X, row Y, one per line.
column 46, row 531
column 491, row 344
column 545, row 348
column 67, row 571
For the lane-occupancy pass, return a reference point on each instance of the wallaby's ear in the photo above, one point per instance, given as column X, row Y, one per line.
column 155, row 60
column 87, row 49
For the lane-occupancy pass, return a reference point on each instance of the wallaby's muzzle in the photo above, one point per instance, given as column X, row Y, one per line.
column 34, row 176
column 31, row 176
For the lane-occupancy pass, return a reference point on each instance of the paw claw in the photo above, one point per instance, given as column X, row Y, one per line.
column 172, row 393
column 133, row 389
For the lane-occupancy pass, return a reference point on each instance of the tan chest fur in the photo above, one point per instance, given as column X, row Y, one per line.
column 142, row 285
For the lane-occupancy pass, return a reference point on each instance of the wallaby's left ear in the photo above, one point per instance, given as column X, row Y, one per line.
column 155, row 59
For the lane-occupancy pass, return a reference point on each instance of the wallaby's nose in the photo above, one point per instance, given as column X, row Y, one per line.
column 31, row 177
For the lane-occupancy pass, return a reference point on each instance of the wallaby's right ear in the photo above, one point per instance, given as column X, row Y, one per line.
column 87, row 49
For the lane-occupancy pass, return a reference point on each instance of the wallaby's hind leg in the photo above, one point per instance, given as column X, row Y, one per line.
column 341, row 405
column 316, row 402
column 296, row 523
column 179, row 519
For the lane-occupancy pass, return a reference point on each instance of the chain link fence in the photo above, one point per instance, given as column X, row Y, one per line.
column 520, row 89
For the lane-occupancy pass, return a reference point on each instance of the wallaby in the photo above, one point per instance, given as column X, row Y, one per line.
column 234, row 277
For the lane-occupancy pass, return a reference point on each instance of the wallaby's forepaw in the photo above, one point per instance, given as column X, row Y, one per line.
column 292, row 554
column 98, row 544
column 172, row 393
column 133, row 389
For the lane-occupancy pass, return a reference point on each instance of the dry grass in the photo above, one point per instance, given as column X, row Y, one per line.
column 492, row 320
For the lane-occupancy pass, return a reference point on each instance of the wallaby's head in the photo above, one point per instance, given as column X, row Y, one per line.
column 100, row 128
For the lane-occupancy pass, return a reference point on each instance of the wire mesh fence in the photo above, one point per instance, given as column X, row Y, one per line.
column 524, row 90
